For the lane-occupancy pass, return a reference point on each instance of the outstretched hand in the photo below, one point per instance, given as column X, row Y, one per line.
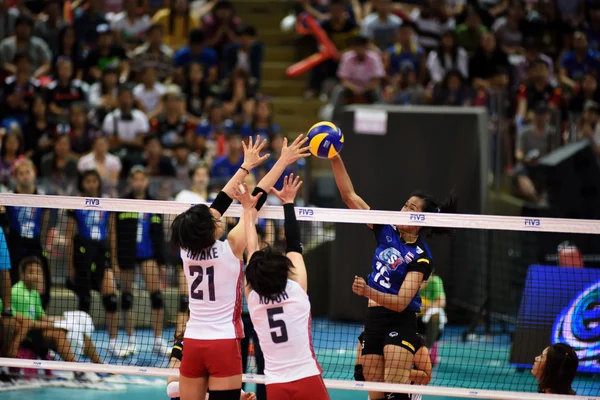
column 292, row 153
column 288, row 192
column 248, row 396
column 241, row 194
column 252, row 157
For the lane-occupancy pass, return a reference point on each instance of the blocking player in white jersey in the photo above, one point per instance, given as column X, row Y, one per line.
column 213, row 271
column 279, row 306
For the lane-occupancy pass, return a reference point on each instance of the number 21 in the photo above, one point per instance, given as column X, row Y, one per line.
column 198, row 294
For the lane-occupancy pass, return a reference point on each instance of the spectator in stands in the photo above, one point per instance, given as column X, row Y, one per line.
column 220, row 26
column 129, row 25
column 107, row 165
column 177, row 22
column 126, row 125
column 198, row 92
column 210, row 133
column 509, row 30
column 538, row 89
column 555, row 369
column 544, row 22
column 9, row 15
column 198, row 191
column 589, row 128
column 490, row 9
column 48, row 27
column 246, row 53
column 468, row 35
column 447, row 57
column 69, row 47
column 80, row 131
column 532, row 144
column 432, row 317
column 6, row 319
column 405, row 54
column 59, row 167
column 575, row 64
column 87, row 22
column 35, row 48
column 64, row 90
column 153, row 54
column 360, row 73
column 184, row 162
column 19, row 91
column 532, row 53
column 406, row 89
column 172, row 126
column 430, row 23
column 224, row 167
column 486, row 62
column 381, row 27
column 238, row 97
column 106, row 54
column 592, row 27
column 38, row 133
column 316, row 9
column 573, row 11
column 341, row 29
column 587, row 91
column 154, row 162
column 452, row 91
column 11, row 150
column 196, row 52
column 104, row 95
column 262, row 120
column 149, row 92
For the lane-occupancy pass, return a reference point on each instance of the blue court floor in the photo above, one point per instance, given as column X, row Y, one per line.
column 480, row 364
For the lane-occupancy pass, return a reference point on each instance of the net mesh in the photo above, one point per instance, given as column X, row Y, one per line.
column 498, row 298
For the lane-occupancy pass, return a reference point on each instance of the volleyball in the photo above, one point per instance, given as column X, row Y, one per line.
column 325, row 139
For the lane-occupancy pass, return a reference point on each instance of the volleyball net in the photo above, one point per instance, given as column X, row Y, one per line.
column 503, row 289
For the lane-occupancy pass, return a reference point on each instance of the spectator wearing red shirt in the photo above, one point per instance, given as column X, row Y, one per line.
column 220, row 26
column 538, row 90
column 64, row 91
column 360, row 72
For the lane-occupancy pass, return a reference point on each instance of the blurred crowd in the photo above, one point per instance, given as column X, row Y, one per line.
column 170, row 85
column 532, row 63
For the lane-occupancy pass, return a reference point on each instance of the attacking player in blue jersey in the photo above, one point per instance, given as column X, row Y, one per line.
column 27, row 228
column 402, row 261
column 141, row 241
column 91, row 249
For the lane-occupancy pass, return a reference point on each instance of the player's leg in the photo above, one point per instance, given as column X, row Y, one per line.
column 193, row 373
column 182, row 314
column 359, row 375
column 311, row 388
column 372, row 355
column 110, row 302
column 398, row 363
column 193, row 388
column 57, row 339
column 224, row 362
column 89, row 350
column 151, row 275
column 127, row 276
column 261, row 391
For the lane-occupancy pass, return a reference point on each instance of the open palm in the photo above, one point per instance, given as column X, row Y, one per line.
column 287, row 194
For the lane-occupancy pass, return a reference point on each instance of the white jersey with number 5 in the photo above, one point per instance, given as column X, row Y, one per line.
column 283, row 327
column 214, row 279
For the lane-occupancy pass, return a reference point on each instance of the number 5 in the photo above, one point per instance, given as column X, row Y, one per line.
column 277, row 323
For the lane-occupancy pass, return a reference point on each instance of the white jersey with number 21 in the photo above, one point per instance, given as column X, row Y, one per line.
column 214, row 278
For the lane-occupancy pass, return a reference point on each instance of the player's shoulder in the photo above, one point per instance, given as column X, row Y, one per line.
column 422, row 250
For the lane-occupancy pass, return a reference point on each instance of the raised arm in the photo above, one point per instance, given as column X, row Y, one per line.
column 293, row 249
column 289, row 155
column 245, row 227
column 252, row 159
column 344, row 184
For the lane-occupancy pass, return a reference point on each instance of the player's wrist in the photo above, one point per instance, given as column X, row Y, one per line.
column 246, row 167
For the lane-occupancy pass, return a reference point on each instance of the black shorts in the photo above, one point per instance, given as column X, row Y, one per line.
column 386, row 327
column 129, row 265
column 91, row 259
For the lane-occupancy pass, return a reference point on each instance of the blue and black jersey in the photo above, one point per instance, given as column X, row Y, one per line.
column 25, row 222
column 394, row 259
column 140, row 236
column 92, row 225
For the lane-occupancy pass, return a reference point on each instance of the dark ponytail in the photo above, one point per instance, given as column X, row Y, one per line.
column 431, row 205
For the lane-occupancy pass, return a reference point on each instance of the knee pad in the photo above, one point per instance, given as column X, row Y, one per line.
column 85, row 301
column 358, row 373
column 156, row 300
column 225, row 394
column 126, row 301
column 109, row 302
column 184, row 302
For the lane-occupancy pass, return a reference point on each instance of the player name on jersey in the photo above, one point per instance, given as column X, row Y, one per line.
column 207, row 254
column 280, row 297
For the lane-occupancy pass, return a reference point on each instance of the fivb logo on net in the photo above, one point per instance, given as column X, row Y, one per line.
column 92, row 203
column 579, row 326
column 306, row 212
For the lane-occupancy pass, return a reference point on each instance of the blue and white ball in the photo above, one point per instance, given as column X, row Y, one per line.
column 325, row 139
